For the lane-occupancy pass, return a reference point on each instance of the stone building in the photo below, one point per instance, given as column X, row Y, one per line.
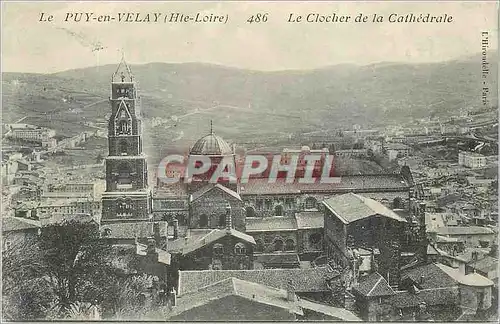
column 353, row 221
column 127, row 195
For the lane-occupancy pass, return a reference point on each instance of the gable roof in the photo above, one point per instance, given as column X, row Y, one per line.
column 10, row 224
column 235, row 287
column 202, row 191
column 351, row 207
column 304, row 280
column 192, row 243
column 373, row 285
column 339, row 313
column 472, row 279
column 428, row 276
column 437, row 296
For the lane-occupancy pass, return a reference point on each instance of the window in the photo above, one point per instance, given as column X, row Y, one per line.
column 218, row 249
column 278, row 245
column 123, row 147
column 203, row 220
column 310, row 203
column 278, row 210
column 289, row 245
column 315, row 240
column 124, row 174
column 240, row 249
column 259, row 245
column 250, row 212
column 222, row 220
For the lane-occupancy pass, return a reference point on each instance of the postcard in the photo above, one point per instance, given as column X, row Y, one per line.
column 260, row 161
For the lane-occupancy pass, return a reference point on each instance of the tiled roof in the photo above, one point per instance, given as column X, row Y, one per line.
column 373, row 285
column 312, row 219
column 232, row 286
column 463, row 230
column 192, row 243
column 256, row 186
column 429, row 276
column 202, row 191
column 10, row 224
column 437, row 296
column 132, row 230
column 304, row 280
column 472, row 279
column 274, row 223
column 486, row 264
column 277, row 258
column 351, row 207
column 59, row 218
column 339, row 313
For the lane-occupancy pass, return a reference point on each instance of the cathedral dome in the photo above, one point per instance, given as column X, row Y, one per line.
column 211, row 144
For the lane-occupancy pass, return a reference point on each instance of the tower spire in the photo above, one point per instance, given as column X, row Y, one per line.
column 211, row 127
column 123, row 72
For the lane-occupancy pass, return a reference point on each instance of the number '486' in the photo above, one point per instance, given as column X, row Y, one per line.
column 257, row 18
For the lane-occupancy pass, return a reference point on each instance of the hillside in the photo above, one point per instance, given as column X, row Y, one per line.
column 263, row 104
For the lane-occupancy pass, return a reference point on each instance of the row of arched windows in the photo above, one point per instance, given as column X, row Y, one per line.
column 310, row 203
column 239, row 249
column 278, row 245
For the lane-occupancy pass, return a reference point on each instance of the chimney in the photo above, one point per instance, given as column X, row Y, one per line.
column 176, row 229
column 474, row 255
column 290, row 291
column 156, row 233
column 229, row 224
column 173, row 297
column 422, row 279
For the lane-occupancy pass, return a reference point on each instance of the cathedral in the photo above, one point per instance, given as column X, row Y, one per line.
column 227, row 225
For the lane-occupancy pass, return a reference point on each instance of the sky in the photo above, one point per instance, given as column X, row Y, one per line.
column 29, row 45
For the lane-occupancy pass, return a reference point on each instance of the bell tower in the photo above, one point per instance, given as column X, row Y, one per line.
column 127, row 196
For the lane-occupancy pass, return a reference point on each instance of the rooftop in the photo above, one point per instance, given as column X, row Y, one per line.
column 202, row 191
column 304, row 280
column 198, row 240
column 211, row 144
column 366, row 183
column 485, row 265
column 373, row 285
column 351, row 207
column 233, row 286
column 428, row 276
column 270, row 224
column 463, row 230
column 11, row 224
column 310, row 219
column 133, row 229
column 472, row 279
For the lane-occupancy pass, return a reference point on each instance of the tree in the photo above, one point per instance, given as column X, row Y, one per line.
column 69, row 272
column 26, row 295
column 77, row 262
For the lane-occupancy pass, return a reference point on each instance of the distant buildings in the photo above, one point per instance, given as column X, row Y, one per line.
column 471, row 160
column 31, row 133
